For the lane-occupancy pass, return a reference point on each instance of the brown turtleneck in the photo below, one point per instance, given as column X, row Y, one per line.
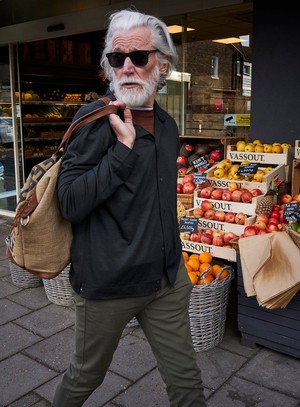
column 144, row 118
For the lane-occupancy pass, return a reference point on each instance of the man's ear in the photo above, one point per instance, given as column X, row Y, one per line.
column 163, row 68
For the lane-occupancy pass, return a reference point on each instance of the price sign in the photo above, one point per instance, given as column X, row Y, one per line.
column 247, row 169
column 201, row 162
column 199, row 178
column 188, row 225
column 291, row 212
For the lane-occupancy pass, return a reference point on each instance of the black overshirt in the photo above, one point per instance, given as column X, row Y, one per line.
column 122, row 204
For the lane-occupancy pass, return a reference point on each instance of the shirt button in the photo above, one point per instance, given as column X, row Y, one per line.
column 163, row 249
column 161, row 179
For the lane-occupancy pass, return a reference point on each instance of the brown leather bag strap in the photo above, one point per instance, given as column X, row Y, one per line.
column 87, row 118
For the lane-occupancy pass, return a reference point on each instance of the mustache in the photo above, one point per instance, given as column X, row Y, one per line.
column 125, row 81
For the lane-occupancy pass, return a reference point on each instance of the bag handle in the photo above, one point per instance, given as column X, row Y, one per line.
column 88, row 118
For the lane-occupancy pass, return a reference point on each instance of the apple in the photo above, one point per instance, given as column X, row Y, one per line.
column 233, row 186
column 276, row 207
column 256, row 192
column 205, row 192
column 262, row 232
column 236, row 195
column 220, row 215
column 219, row 173
column 240, row 145
column 216, row 155
column 182, row 160
column 229, row 236
column 230, row 217
column 226, row 195
column 273, row 220
column 209, row 214
column 296, row 198
column 182, row 170
column 218, row 241
column 246, row 195
column 206, row 205
column 216, row 233
column 272, row 227
column 179, row 188
column 196, row 237
column 206, row 238
column 286, row 198
column 188, row 178
column 250, row 147
column 198, row 212
column 188, row 188
column 262, row 217
column 261, row 225
column 217, row 193
column 250, row 230
column 187, row 149
column 259, row 148
column 267, row 148
column 277, row 148
column 208, row 231
column 274, row 214
column 240, row 218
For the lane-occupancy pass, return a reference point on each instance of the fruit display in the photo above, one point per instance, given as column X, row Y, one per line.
column 189, row 159
column 202, row 269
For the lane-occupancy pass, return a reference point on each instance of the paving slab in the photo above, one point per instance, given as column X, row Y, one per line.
column 7, row 288
column 33, row 298
column 10, row 311
column 29, row 400
column 14, row 339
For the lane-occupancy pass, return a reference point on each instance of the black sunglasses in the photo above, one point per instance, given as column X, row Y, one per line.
column 138, row 58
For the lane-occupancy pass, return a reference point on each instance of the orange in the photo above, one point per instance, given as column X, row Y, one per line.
column 194, row 276
column 215, row 270
column 188, row 268
column 205, row 257
column 185, row 256
column 194, row 263
column 224, row 274
column 205, row 267
column 207, row 279
column 194, row 256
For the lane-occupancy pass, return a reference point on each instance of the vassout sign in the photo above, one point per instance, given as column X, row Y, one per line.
column 237, row 120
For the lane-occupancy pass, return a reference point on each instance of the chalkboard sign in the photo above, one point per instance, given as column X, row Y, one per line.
column 201, row 162
column 247, row 169
column 291, row 212
column 188, row 225
column 199, row 178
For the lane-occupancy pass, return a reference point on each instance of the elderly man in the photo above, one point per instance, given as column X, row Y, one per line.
column 117, row 186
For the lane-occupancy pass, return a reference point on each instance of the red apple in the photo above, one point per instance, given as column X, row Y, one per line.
column 188, row 187
column 220, row 215
column 230, row 217
column 208, row 231
column 276, row 207
column 198, row 212
column 196, row 237
column 296, row 198
column 272, row 227
column 206, row 238
column 275, row 214
column 179, row 188
column 233, row 186
column 240, row 218
column 261, row 225
column 216, row 155
column 205, row 192
column 188, row 178
column 250, row 230
column 236, row 195
column 262, row 217
column 218, row 241
column 226, row 195
column 209, row 214
column 262, row 232
column 216, row 233
column 206, row 205
column 273, row 220
column 182, row 170
column 286, row 198
column 256, row 192
column 229, row 236
column 182, row 160
column 246, row 196
column 217, row 193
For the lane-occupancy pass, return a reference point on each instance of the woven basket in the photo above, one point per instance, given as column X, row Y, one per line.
column 59, row 290
column 186, row 199
column 293, row 235
column 208, row 308
column 22, row 278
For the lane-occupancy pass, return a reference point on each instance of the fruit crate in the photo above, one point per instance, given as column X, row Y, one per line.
column 187, row 200
column 229, row 206
column 297, row 149
column 278, row 172
column 222, row 226
column 226, row 253
column 295, row 177
column 286, row 157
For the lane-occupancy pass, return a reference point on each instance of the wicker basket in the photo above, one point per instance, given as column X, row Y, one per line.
column 22, row 278
column 186, row 199
column 208, row 308
column 293, row 235
column 59, row 290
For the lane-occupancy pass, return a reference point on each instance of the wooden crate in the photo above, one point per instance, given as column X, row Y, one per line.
column 187, row 200
column 216, row 251
column 295, row 177
column 285, row 158
column 297, row 149
column 278, row 172
column 277, row 329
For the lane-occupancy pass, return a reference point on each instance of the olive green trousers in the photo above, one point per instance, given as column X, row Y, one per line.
column 164, row 318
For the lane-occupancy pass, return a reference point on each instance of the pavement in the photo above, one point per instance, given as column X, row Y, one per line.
column 37, row 342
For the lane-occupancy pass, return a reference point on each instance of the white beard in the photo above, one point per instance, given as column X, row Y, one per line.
column 138, row 96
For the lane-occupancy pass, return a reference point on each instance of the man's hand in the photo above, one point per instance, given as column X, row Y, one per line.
column 124, row 130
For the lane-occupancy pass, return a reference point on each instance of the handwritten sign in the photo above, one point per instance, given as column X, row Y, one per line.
column 201, row 162
column 291, row 212
column 247, row 169
column 199, row 178
column 188, row 225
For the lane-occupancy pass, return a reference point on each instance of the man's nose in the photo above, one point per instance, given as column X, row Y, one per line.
column 128, row 66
